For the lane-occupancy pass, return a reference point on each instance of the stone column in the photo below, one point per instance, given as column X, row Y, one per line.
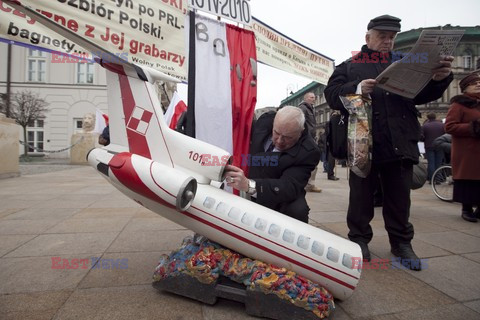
column 9, row 146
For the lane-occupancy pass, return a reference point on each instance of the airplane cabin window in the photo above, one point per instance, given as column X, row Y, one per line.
column 261, row 224
column 318, row 248
column 288, row 236
column 222, row 208
column 209, row 202
column 347, row 261
column 274, row 230
column 247, row 218
column 333, row 254
column 234, row 213
column 303, row 242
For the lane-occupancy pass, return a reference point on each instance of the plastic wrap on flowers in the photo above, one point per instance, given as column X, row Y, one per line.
column 206, row 261
column 359, row 133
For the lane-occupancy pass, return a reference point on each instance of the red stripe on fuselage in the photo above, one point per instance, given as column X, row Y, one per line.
column 266, row 249
column 137, row 143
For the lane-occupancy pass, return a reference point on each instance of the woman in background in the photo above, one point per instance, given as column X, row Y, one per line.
column 463, row 123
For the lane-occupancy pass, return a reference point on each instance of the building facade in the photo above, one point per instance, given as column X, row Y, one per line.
column 70, row 88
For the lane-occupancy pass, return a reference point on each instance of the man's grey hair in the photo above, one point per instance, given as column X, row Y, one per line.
column 307, row 94
column 292, row 113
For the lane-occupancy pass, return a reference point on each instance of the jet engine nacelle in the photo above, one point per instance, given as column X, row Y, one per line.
column 159, row 182
column 203, row 161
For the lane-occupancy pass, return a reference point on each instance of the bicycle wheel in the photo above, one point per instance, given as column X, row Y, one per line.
column 442, row 183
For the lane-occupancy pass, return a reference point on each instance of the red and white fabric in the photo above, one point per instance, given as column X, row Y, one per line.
column 174, row 111
column 101, row 121
column 225, row 87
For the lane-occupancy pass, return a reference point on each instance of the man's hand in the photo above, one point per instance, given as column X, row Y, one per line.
column 235, row 178
column 444, row 69
column 368, row 85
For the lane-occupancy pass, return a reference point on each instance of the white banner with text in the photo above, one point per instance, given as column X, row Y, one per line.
column 281, row 52
column 146, row 32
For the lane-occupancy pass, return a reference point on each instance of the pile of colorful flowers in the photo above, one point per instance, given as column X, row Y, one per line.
column 206, row 261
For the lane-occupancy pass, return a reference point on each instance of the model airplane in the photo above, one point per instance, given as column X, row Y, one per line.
column 163, row 171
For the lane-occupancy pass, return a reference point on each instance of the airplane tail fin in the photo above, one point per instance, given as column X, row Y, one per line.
column 136, row 120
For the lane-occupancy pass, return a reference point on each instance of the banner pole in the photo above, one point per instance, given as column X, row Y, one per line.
column 190, row 121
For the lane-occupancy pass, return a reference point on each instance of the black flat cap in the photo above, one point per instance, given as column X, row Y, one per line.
column 385, row 23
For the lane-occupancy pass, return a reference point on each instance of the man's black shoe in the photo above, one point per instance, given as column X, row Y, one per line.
column 333, row 178
column 408, row 257
column 365, row 251
column 469, row 216
column 477, row 212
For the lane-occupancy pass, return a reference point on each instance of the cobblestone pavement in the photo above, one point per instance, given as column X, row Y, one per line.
column 47, row 165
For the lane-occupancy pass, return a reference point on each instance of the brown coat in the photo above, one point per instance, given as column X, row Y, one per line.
column 462, row 123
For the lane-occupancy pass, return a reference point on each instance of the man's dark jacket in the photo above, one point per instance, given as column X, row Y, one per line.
column 310, row 121
column 395, row 126
column 283, row 180
column 431, row 130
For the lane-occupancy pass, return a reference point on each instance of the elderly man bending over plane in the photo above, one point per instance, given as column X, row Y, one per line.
column 279, row 183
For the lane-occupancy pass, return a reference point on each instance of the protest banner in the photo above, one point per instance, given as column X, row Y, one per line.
column 281, row 52
column 146, row 32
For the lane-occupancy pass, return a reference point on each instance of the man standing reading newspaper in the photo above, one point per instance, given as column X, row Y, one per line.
column 395, row 131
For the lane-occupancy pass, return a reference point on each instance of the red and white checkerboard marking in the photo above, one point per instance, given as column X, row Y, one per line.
column 140, row 120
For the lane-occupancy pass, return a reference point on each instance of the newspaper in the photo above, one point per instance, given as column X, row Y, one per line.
column 408, row 76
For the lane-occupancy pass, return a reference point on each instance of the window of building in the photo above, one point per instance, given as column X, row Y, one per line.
column 35, row 136
column 467, row 62
column 77, row 124
column 36, row 65
column 85, row 71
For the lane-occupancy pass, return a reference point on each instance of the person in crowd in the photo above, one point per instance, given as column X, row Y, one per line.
column 322, row 144
column 104, row 138
column 395, row 132
column 307, row 106
column 282, row 138
column 329, row 160
column 431, row 130
column 463, row 123
column 444, row 144
column 331, row 167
